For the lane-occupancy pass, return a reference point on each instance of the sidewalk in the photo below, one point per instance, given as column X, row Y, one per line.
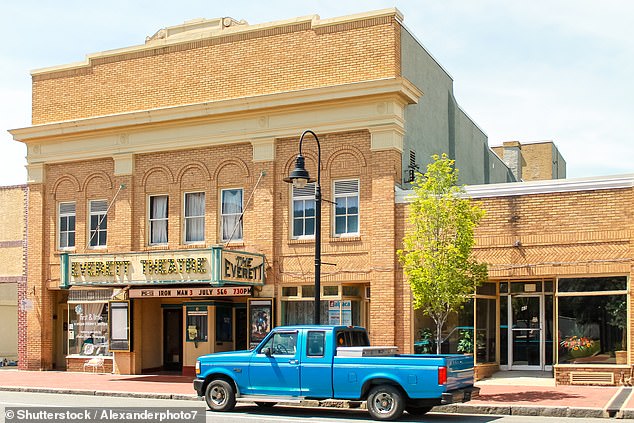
column 505, row 396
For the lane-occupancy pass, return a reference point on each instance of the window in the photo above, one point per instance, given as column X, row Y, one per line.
column 304, row 211
column 231, row 211
column 88, row 329
column 315, row 344
column 158, row 219
column 194, row 217
column 281, row 343
column 98, row 223
column 592, row 319
column 347, row 207
column 66, row 225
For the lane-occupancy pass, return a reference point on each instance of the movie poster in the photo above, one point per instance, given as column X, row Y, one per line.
column 260, row 320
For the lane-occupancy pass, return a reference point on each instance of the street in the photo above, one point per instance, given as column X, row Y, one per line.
column 252, row 413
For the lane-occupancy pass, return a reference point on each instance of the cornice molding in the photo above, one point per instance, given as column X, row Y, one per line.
column 401, row 88
column 374, row 106
column 537, row 187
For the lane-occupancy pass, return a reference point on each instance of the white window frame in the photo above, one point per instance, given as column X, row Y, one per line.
column 235, row 238
column 61, row 215
column 303, row 198
column 340, row 194
column 98, row 231
column 186, row 218
column 150, row 219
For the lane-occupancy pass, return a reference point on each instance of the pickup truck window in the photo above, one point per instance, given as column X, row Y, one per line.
column 282, row 343
column 352, row 338
column 315, row 344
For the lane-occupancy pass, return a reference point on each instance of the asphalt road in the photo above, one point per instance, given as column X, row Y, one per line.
column 251, row 413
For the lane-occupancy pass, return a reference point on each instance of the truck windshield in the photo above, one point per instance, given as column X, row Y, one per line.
column 352, row 338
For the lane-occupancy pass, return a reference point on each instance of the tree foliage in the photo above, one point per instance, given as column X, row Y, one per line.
column 437, row 249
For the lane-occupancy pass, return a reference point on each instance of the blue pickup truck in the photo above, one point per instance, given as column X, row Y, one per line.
column 295, row 363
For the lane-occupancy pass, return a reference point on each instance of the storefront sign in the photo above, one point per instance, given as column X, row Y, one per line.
column 213, row 266
column 230, row 291
column 242, row 268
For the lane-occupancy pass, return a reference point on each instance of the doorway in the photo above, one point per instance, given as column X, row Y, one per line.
column 529, row 334
column 241, row 328
column 172, row 339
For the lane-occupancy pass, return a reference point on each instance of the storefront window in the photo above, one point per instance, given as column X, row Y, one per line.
column 88, row 329
column 485, row 330
column 591, row 328
column 457, row 333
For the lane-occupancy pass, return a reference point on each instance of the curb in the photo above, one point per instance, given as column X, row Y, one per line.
column 482, row 409
column 65, row 391
column 523, row 410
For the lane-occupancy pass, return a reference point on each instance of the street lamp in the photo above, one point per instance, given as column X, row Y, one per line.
column 299, row 177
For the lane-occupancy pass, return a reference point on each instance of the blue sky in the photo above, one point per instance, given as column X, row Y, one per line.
column 523, row 70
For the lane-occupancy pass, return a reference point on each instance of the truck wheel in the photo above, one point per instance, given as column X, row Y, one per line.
column 385, row 402
column 220, row 395
column 416, row 410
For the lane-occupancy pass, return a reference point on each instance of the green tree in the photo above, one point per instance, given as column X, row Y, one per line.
column 437, row 248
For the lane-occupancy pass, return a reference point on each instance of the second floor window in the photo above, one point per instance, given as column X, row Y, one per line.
column 304, row 211
column 194, row 217
column 158, row 219
column 98, row 223
column 347, row 207
column 231, row 211
column 66, row 225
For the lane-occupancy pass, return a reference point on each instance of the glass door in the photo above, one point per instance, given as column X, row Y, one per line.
column 526, row 337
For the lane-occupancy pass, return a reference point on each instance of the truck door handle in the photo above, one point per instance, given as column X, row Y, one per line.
column 293, row 361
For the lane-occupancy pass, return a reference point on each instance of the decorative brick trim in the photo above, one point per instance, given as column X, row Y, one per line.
column 22, row 288
column 11, row 244
column 348, row 26
column 11, row 279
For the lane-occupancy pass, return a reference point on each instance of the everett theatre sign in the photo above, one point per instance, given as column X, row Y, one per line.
column 214, row 266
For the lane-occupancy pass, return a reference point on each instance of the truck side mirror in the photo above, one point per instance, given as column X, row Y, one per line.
column 266, row 351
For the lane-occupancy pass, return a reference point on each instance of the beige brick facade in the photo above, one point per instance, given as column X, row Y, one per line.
column 13, row 203
column 225, row 110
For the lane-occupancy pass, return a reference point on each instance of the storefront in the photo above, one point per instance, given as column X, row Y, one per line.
column 166, row 307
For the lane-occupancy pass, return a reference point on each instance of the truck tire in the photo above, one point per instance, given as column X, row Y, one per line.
column 417, row 410
column 220, row 395
column 385, row 402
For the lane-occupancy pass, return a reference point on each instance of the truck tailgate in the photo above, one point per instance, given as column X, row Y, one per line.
column 460, row 372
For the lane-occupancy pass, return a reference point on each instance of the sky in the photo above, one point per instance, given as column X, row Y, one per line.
column 536, row 70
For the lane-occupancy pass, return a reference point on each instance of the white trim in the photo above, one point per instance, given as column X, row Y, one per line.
column 149, row 220
column 220, row 223
column 535, row 187
column 185, row 218
column 334, row 208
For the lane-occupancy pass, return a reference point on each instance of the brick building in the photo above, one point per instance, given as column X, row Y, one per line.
column 560, row 260
column 159, row 224
column 13, row 200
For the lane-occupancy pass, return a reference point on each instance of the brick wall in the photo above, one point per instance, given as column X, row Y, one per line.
column 581, row 233
column 286, row 58
column 266, row 218
column 13, row 205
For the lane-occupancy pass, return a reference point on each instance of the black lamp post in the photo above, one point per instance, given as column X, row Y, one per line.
column 299, row 177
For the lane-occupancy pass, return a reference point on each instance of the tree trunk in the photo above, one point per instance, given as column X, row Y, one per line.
column 439, row 325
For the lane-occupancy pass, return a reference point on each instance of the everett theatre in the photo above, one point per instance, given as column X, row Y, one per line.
column 160, row 227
